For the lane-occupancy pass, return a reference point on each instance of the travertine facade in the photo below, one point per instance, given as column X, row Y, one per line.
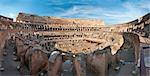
column 5, row 22
column 140, row 26
column 29, row 18
column 5, row 18
column 90, row 32
column 75, row 37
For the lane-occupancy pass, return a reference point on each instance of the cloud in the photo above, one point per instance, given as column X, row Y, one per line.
column 75, row 10
column 128, row 11
column 8, row 11
column 12, row 15
column 144, row 5
column 107, row 10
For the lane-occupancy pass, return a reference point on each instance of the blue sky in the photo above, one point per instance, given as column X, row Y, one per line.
column 111, row 11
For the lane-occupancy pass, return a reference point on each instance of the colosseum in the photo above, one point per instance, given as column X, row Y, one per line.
column 52, row 46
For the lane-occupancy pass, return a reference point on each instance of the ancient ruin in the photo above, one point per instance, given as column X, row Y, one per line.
column 88, row 44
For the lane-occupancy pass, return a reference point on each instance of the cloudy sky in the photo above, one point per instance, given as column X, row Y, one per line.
column 111, row 11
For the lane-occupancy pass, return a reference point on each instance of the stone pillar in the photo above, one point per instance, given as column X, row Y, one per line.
column 79, row 65
column 55, row 68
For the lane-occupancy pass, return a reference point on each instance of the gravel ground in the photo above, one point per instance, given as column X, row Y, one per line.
column 9, row 64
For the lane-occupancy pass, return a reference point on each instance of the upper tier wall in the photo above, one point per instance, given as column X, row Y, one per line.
column 5, row 18
column 140, row 26
column 29, row 18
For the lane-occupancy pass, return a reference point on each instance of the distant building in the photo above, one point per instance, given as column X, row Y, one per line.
column 5, row 18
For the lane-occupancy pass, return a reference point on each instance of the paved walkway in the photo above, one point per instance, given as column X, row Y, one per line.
column 9, row 64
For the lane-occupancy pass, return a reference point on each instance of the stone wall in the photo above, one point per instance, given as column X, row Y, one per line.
column 29, row 18
column 5, row 18
column 140, row 26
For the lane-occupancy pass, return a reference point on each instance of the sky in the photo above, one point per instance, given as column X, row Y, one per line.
column 111, row 11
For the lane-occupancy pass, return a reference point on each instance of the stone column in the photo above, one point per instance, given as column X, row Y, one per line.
column 79, row 65
column 55, row 68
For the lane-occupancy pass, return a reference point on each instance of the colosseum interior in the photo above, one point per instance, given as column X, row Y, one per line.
column 52, row 46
